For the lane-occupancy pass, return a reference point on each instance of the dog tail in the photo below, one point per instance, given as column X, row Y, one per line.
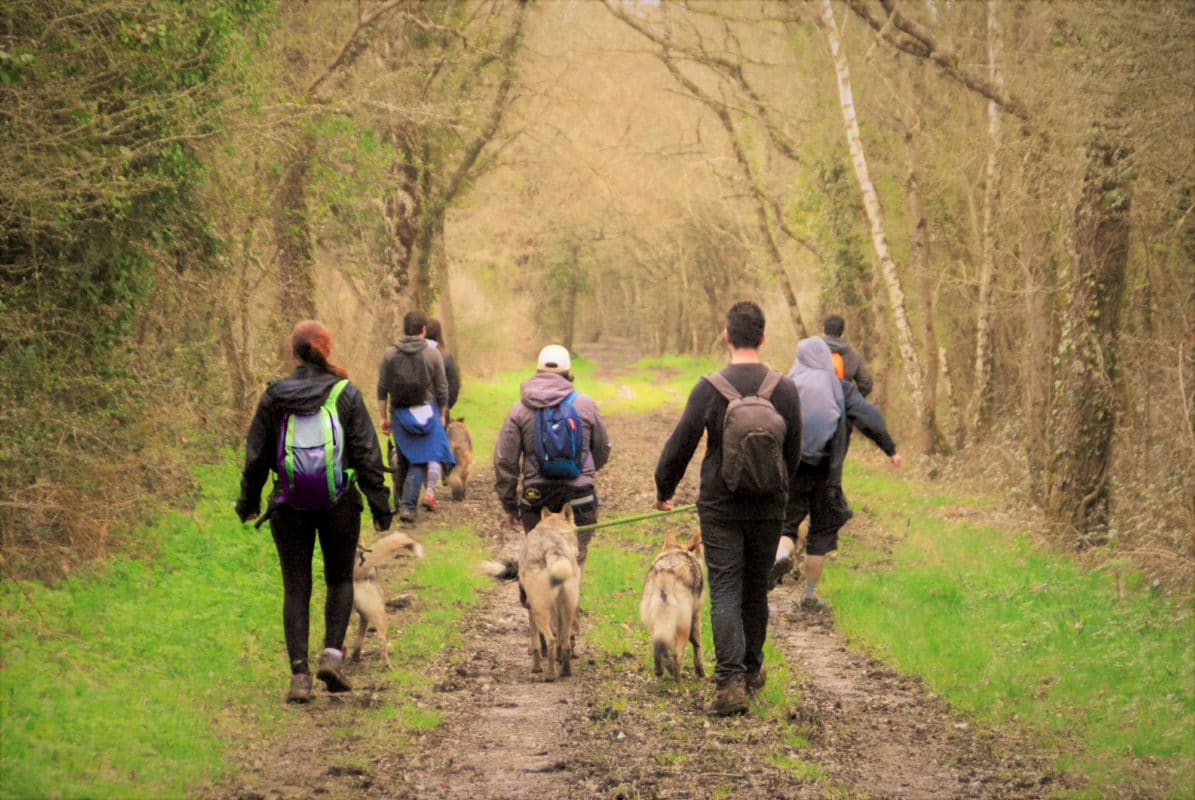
column 502, row 570
column 559, row 571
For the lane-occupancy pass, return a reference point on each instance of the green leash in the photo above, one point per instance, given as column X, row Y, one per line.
column 639, row 518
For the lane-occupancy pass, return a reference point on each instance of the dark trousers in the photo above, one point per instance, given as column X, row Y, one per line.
column 531, row 512
column 294, row 534
column 738, row 556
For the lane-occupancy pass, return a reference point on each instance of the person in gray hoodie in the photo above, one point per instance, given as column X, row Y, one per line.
column 830, row 406
column 515, row 452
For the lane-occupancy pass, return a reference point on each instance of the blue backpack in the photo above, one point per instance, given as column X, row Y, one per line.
column 310, row 454
column 559, row 440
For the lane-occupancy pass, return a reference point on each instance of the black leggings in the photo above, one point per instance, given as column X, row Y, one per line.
column 294, row 535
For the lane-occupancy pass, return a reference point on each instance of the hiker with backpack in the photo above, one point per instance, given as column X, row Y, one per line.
column 413, row 399
column 848, row 366
column 554, row 439
column 751, row 418
column 847, row 361
column 435, row 338
column 830, row 407
column 313, row 430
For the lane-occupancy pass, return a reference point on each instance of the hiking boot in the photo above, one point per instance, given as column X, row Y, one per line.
column 731, row 698
column 756, row 680
column 781, row 567
column 300, row 688
column 429, row 503
column 330, row 674
column 814, row 603
column 406, row 517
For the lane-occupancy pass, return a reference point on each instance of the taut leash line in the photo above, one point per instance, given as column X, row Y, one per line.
column 640, row 518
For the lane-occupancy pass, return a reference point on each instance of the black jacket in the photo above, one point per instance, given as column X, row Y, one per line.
column 853, row 368
column 704, row 413
column 304, row 391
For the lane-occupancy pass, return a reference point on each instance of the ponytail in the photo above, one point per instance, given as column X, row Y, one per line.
column 311, row 343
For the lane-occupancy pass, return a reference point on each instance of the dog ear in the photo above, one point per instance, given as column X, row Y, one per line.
column 695, row 542
column 567, row 510
column 670, row 542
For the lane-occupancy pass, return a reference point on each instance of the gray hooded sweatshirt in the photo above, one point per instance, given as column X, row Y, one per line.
column 822, row 404
column 514, row 452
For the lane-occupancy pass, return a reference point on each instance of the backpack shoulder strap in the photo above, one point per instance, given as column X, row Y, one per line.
column 770, row 382
column 334, row 395
column 724, row 387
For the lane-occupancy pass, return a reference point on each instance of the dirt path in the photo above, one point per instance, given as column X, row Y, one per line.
column 612, row 730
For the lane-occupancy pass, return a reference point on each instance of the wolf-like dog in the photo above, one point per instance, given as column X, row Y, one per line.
column 368, row 599
column 550, row 583
column 671, row 604
column 461, row 443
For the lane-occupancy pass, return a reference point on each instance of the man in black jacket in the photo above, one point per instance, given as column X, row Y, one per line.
column 739, row 530
column 853, row 368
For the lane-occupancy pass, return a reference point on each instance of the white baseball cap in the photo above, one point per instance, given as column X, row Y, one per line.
column 554, row 358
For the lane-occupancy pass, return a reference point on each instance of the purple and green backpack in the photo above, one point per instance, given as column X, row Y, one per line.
column 310, row 467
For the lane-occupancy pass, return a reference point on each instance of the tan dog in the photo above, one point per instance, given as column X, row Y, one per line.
column 550, row 585
column 461, row 443
column 368, row 599
column 671, row 604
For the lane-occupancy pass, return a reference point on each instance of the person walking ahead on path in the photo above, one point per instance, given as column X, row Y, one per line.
column 413, row 399
column 829, row 407
column 853, row 368
column 740, row 523
column 519, row 451
column 435, row 338
column 294, row 529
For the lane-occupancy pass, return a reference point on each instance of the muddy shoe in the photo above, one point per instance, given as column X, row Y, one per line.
column 330, row 674
column 814, row 603
column 731, row 699
column 406, row 517
column 781, row 567
column 300, row 688
column 756, row 680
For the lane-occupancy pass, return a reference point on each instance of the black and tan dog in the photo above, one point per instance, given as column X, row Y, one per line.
column 550, row 584
column 461, row 443
column 368, row 599
column 671, row 604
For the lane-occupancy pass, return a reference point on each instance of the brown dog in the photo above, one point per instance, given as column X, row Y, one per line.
column 671, row 604
column 368, row 599
column 550, row 582
column 462, row 450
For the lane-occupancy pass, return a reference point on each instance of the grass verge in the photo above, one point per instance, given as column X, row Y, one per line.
column 1094, row 665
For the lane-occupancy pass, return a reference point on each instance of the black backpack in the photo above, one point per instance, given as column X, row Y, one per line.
column 752, row 438
column 409, row 380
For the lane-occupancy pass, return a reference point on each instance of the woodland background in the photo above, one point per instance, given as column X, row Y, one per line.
column 996, row 195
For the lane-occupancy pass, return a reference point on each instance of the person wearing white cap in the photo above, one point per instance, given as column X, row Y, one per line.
column 550, row 478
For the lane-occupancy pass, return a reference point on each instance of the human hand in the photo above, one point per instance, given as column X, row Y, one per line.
column 386, row 426
column 246, row 511
column 895, row 460
column 663, row 505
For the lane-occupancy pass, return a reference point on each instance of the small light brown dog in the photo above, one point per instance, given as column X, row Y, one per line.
column 550, row 583
column 671, row 604
column 368, row 599
column 461, row 443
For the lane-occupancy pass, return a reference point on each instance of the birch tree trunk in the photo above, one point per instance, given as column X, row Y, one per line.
column 977, row 407
column 875, row 217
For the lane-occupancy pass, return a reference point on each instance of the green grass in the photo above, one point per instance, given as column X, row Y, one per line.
column 1017, row 635
column 121, row 682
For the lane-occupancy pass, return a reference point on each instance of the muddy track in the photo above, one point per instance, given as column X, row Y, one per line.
column 613, row 730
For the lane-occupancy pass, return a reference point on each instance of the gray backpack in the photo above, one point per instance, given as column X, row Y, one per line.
column 752, row 438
